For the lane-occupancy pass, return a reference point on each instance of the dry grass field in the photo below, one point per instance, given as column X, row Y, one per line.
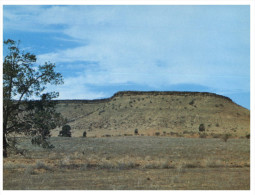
column 130, row 162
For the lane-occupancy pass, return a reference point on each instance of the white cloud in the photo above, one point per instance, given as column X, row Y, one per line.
column 151, row 46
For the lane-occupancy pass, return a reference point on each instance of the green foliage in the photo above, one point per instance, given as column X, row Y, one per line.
column 66, row 131
column 40, row 141
column 136, row 131
column 24, row 80
column 84, row 134
column 201, row 127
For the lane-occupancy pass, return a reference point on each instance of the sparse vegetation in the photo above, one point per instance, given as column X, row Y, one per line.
column 214, row 135
column 192, row 102
column 202, row 135
column 158, row 158
column 225, row 137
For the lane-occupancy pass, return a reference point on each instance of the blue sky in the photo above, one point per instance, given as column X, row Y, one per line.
column 104, row 49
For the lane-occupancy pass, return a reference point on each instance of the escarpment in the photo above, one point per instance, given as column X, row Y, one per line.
column 166, row 112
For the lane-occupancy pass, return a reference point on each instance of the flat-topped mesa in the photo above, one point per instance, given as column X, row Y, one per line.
column 155, row 93
column 154, row 111
column 179, row 93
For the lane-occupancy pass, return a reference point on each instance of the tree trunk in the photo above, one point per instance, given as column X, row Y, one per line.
column 5, row 144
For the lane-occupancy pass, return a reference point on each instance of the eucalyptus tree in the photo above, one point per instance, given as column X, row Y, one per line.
column 26, row 105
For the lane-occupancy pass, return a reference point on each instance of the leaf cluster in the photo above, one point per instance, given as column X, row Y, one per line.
column 26, row 105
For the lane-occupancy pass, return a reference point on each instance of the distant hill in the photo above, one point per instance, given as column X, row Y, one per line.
column 169, row 113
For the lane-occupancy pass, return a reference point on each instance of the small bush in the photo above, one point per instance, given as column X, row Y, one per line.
column 225, row 137
column 157, row 133
column 192, row 102
column 136, row 131
column 201, row 127
column 248, row 136
column 84, row 134
column 66, row 131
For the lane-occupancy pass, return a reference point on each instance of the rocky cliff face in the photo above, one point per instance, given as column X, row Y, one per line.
column 168, row 113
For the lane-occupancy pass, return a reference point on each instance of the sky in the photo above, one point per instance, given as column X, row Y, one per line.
column 101, row 50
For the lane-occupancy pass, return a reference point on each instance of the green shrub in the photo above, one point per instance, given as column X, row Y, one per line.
column 136, row 131
column 84, row 134
column 40, row 141
column 157, row 133
column 66, row 131
column 201, row 127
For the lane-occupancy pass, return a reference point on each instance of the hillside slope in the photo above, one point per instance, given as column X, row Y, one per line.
column 150, row 112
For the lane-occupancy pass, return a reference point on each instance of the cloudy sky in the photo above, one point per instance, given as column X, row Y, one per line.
column 104, row 49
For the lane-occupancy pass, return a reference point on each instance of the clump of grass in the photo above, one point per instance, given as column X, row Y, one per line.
column 213, row 163
column 214, row 135
column 29, row 170
column 41, row 165
column 202, row 135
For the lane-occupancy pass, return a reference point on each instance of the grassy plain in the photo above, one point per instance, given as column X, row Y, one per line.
column 130, row 162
